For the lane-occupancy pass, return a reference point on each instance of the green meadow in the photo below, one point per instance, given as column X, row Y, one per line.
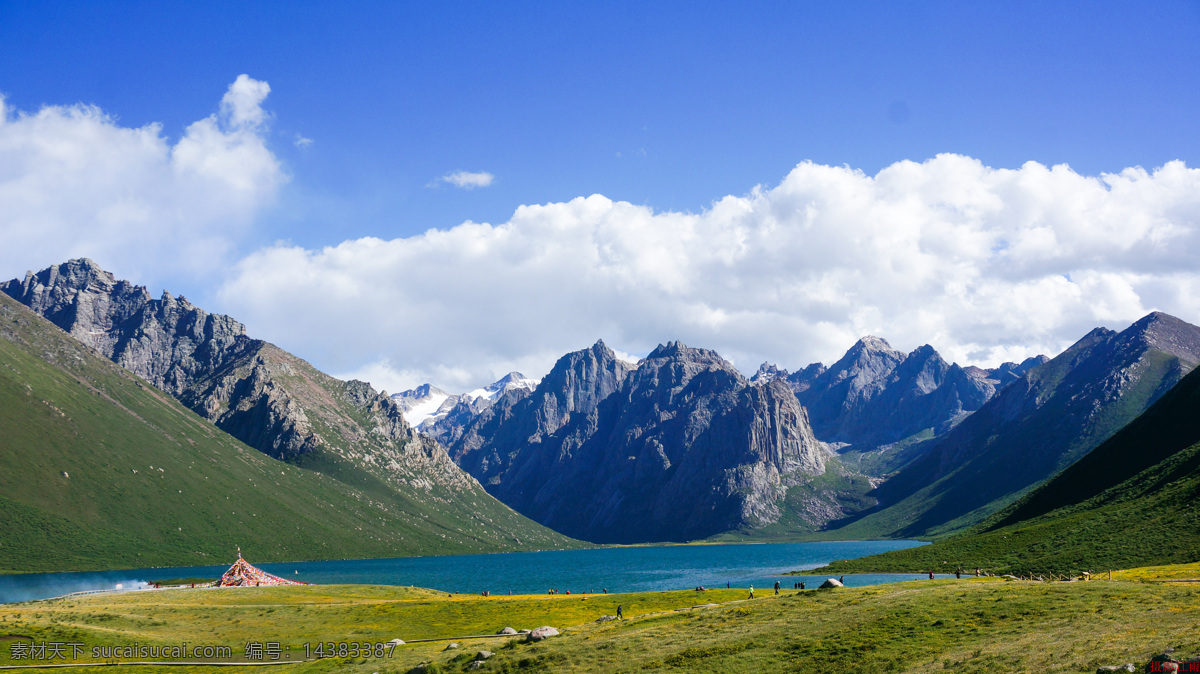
column 969, row 625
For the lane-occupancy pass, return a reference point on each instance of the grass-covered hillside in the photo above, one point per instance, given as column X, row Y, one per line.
column 972, row 625
column 98, row 469
column 1133, row 501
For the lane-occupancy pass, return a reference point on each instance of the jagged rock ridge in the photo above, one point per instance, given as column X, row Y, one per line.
column 682, row 447
column 875, row 395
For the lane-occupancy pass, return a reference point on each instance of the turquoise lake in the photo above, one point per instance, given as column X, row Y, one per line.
column 635, row 569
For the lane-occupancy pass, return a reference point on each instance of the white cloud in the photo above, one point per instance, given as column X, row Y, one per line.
column 74, row 182
column 468, row 180
column 987, row 265
column 242, row 104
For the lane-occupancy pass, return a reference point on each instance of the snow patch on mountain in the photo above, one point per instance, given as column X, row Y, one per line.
column 512, row 380
column 426, row 405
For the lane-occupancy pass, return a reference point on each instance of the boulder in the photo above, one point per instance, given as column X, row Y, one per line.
column 606, row 618
column 395, row 642
column 1127, row 667
column 476, row 664
column 507, row 630
column 541, row 633
column 831, row 582
column 450, row 646
column 483, row 655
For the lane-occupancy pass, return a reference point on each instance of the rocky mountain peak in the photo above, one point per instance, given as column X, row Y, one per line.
column 678, row 351
column 973, row 371
column 510, row 378
column 873, row 344
column 167, row 341
column 424, row 391
column 802, row 380
column 768, row 372
column 673, row 366
column 1009, row 372
column 869, row 358
column 668, row 350
column 1164, row 332
column 924, row 352
column 577, row 383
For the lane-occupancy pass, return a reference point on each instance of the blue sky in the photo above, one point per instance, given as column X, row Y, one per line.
column 670, row 106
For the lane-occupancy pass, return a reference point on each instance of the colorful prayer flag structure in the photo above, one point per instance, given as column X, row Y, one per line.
column 245, row 574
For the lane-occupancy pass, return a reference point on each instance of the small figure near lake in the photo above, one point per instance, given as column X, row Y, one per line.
column 751, row 592
column 620, row 616
column 801, row 586
column 776, row 587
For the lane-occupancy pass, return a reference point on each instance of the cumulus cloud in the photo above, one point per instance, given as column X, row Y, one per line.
column 985, row 264
column 74, row 182
column 467, row 180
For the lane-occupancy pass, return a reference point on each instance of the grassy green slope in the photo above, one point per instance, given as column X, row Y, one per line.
column 100, row 470
column 1092, row 516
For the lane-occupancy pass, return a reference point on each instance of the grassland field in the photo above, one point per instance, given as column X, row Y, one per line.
column 968, row 625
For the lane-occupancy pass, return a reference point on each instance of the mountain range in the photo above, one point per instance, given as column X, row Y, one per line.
column 1041, row 423
column 679, row 446
column 908, row 444
column 1132, row 501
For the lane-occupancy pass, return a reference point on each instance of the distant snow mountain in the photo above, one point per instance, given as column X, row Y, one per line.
column 426, row 405
column 421, row 403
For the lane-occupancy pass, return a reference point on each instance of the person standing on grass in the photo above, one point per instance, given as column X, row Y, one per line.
column 751, row 592
column 619, row 615
column 776, row 587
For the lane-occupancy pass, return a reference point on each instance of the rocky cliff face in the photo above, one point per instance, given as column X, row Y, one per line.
column 168, row 342
column 875, row 396
column 575, row 386
column 682, row 447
